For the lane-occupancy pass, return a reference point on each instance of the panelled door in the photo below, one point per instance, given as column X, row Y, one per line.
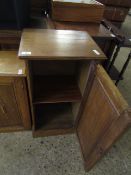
column 9, row 113
column 105, row 117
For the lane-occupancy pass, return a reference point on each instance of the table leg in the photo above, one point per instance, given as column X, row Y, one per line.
column 114, row 58
column 123, row 69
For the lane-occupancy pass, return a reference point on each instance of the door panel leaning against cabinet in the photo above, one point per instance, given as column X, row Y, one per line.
column 105, row 117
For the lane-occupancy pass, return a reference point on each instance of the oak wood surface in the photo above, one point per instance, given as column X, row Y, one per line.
column 58, row 44
column 104, row 106
column 8, row 129
column 95, row 30
column 115, row 131
column 22, row 99
column 30, row 92
column 87, row 77
column 14, row 107
column 11, row 65
column 77, row 11
column 102, row 36
column 9, row 113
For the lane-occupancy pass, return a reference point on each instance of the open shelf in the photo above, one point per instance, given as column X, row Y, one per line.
column 54, row 89
column 57, row 89
column 53, row 116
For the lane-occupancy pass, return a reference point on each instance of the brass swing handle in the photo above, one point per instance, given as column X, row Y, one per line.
column 2, row 107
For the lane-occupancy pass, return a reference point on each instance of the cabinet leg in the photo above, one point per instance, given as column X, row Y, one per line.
column 114, row 58
column 123, row 69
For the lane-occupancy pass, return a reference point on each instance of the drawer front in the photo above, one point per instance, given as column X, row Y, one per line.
column 9, row 113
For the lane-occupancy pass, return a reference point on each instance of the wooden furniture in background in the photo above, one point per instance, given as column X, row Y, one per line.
column 116, row 10
column 9, row 39
column 14, row 105
column 116, row 14
column 102, row 35
column 70, row 92
column 77, row 11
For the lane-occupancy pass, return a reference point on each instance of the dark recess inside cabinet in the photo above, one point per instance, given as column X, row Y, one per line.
column 57, row 89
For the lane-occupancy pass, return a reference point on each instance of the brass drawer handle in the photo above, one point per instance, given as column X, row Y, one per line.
column 3, row 109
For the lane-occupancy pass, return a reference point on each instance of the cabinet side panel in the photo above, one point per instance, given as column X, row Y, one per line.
column 22, row 101
column 30, row 90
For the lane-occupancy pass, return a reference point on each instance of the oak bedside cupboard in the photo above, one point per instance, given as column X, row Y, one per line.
column 14, row 108
column 70, row 92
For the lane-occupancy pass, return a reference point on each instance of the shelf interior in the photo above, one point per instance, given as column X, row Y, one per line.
column 54, row 89
column 53, row 116
column 57, row 89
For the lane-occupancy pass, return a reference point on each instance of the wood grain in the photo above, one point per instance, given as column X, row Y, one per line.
column 23, row 101
column 95, row 30
column 11, row 65
column 104, row 106
column 58, row 45
column 77, row 11
column 9, row 113
column 14, row 107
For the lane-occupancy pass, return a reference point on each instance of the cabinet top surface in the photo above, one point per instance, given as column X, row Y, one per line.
column 58, row 44
column 10, row 64
column 84, row 2
column 94, row 29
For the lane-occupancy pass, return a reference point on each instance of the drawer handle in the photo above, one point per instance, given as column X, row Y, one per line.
column 3, row 109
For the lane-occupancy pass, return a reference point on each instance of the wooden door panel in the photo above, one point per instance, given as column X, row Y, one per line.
column 9, row 114
column 102, row 109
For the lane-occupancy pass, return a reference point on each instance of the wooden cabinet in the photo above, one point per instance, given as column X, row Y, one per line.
column 14, row 107
column 77, row 11
column 70, row 92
